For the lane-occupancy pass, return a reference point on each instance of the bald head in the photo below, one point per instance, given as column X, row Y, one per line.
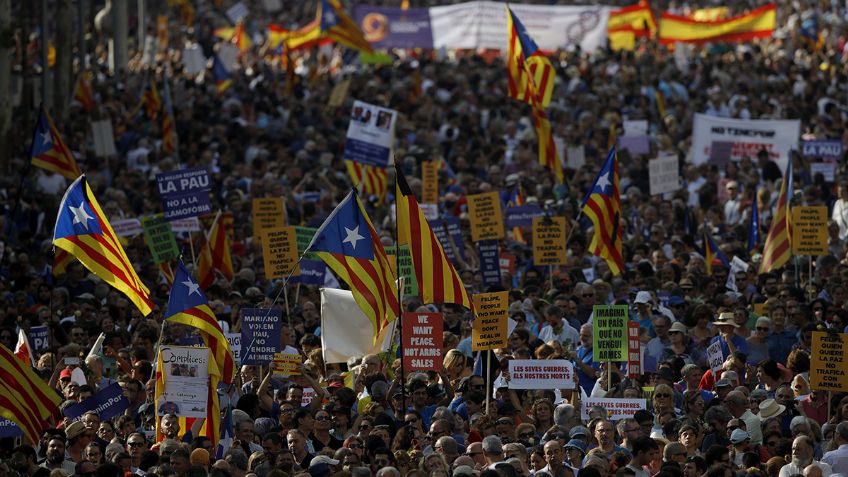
column 812, row 470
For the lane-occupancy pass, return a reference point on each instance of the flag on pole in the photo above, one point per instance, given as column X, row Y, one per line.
column 531, row 73
column 83, row 231
column 602, row 205
column 187, row 305
column 49, row 151
column 215, row 255
column 778, row 246
column 22, row 349
column 169, row 132
column 754, row 227
column 225, row 442
column 516, row 198
column 437, row 278
column 25, row 398
column 61, row 261
column 712, row 252
column 151, row 101
column 350, row 246
column 371, row 180
column 83, row 93
column 236, row 36
column 223, row 78
column 337, row 24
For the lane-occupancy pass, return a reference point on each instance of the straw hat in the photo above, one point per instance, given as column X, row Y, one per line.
column 726, row 319
column 770, row 408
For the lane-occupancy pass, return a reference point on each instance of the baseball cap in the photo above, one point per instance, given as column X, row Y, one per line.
column 323, row 459
column 739, row 436
column 642, row 297
column 723, row 383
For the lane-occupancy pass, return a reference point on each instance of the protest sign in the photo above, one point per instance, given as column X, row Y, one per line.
column 617, row 408
column 269, row 213
column 634, row 350
column 304, row 238
column 826, row 169
column 507, row 262
column 489, row 329
column 609, row 333
column 191, row 224
column 370, row 134
column 279, row 252
column 829, row 362
column 394, row 27
column 429, row 182
column 403, row 267
column 449, row 233
column 288, row 364
column 715, row 357
column 311, row 272
column 161, row 32
column 541, row 374
column 8, row 428
column 235, row 345
column 237, row 12
column 261, row 335
column 522, row 215
column 827, row 150
column 484, row 211
column 186, row 371
column 308, row 395
column 490, row 263
column 635, row 127
column 339, row 94
column 422, row 341
column 160, row 238
column 107, row 403
column 194, row 62
column 39, row 338
column 185, row 193
column 345, row 330
column 104, row 138
column 549, row 241
column 809, row 230
column 635, row 145
column 664, row 175
column 127, row 227
column 743, row 137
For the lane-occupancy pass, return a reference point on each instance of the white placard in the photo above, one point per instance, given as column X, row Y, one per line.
column 104, row 138
column 190, row 224
column 194, row 62
column 664, row 175
column 541, row 374
column 186, row 381
column 237, row 12
column 635, row 127
column 827, row 169
column 272, row 6
column 744, row 137
column 715, row 356
column 235, row 345
column 308, row 395
column 617, row 408
column 430, row 211
column 575, row 157
column 127, row 227
column 228, row 54
column 370, row 134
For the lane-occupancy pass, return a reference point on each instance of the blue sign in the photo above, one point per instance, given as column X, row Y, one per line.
column 185, row 193
column 311, row 272
column 828, row 150
column 522, row 215
column 490, row 262
column 393, row 27
column 108, row 403
column 8, row 428
column 261, row 335
column 39, row 339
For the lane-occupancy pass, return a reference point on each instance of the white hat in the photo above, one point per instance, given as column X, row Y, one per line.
column 323, row 459
column 770, row 408
column 643, row 297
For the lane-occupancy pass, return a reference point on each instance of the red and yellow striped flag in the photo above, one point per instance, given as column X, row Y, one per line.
column 215, row 255
column 49, row 151
column 25, row 398
column 151, row 101
column 602, row 206
column 370, row 180
column 759, row 23
column 778, row 247
column 531, row 74
column 83, row 93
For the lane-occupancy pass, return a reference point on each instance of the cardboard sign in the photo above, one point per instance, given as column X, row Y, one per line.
column 339, row 94
column 160, row 239
column 304, row 237
column 268, row 213
column 609, row 333
column 185, row 193
column 541, row 374
column 484, row 211
column 108, row 403
column 286, row 364
column 422, row 341
column 490, row 262
column 715, row 357
column 809, row 230
column 617, row 408
column 664, row 175
column 261, row 335
column 489, row 329
column 634, row 350
column 829, row 362
column 429, row 182
column 549, row 241
column 279, row 252
column 235, row 345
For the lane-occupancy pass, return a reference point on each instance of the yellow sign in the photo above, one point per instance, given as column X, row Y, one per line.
column 809, row 230
column 279, row 251
column 829, row 362
column 286, row 364
column 429, row 182
column 549, row 241
column 268, row 214
column 484, row 211
column 339, row 94
column 162, row 32
column 489, row 330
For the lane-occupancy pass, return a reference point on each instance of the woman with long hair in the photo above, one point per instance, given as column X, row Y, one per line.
column 456, row 367
column 542, row 413
column 320, row 435
column 693, row 405
column 663, row 400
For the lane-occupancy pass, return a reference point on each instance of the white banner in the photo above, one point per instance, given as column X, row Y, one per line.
column 541, row 374
column 475, row 25
column 617, row 409
column 186, row 381
column 723, row 139
column 345, row 330
column 664, row 175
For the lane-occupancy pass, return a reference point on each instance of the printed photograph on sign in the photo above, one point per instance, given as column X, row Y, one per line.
column 186, row 381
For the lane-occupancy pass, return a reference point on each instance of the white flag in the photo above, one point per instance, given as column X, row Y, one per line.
column 345, row 331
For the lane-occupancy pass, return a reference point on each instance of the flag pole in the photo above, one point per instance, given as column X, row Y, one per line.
column 399, row 291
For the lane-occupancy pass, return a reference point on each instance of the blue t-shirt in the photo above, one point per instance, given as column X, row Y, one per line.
column 586, row 356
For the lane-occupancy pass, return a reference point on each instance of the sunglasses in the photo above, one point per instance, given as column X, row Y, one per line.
column 662, row 395
column 526, row 435
column 135, row 444
column 761, row 328
column 322, row 418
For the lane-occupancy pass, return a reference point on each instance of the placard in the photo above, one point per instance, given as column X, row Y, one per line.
column 339, row 94
column 634, row 350
column 664, row 175
column 617, row 408
column 489, row 328
column 268, row 213
column 104, row 138
column 715, row 357
column 490, row 262
column 828, row 150
column 522, row 215
column 422, row 341
column 549, row 246
column 304, row 237
column 809, row 230
column 279, row 252
column 484, row 211
column 429, row 182
column 743, row 137
column 311, row 272
column 541, row 374
column 160, row 238
column 191, row 224
column 261, row 334
column 449, row 233
column 194, row 62
column 403, row 267
column 826, row 169
column 127, row 227
column 829, row 362
column 370, row 134
column 235, row 345
column 394, row 27
column 609, row 333
column 185, row 193
column 186, row 381
column 635, row 127
column 39, row 339
column 288, row 364
column 635, row 145
column 507, row 262
column 107, row 403
column 8, row 428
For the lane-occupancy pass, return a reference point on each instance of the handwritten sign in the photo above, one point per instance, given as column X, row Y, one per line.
column 617, row 408
column 261, row 334
column 541, row 374
column 286, row 364
column 609, row 333
column 402, row 266
column 422, row 341
column 549, row 241
column 429, row 182
column 160, row 239
column 279, row 252
column 829, row 362
column 268, row 213
column 664, row 175
column 715, row 357
column 489, row 329
column 809, row 230
column 484, row 211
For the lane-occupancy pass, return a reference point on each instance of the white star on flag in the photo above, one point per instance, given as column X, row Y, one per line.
column 46, row 138
column 603, row 182
column 80, row 215
column 352, row 236
column 192, row 287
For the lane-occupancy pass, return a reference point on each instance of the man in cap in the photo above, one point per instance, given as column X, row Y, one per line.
column 645, row 314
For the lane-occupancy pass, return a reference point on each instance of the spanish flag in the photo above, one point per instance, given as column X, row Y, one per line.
column 307, row 36
column 635, row 18
column 759, row 23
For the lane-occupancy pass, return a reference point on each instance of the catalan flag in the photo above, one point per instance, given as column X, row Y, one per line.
column 778, row 245
column 531, row 74
column 350, row 246
column 754, row 227
column 548, row 155
column 712, row 252
column 169, row 132
column 516, row 198
column 151, row 101
column 83, row 231
column 337, row 24
column 437, row 278
column 25, row 398
column 61, row 261
column 602, row 206
column 215, row 255
column 223, row 78
column 83, row 93
column 759, row 23
column 187, row 305
column 371, row 180
column 49, row 151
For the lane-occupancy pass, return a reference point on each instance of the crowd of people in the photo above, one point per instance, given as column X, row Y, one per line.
column 272, row 134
